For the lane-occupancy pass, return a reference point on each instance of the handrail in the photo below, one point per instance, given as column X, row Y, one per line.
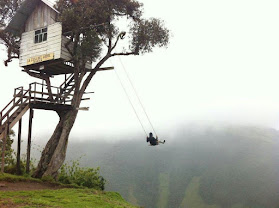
column 70, row 77
column 37, row 83
column 9, row 103
column 8, row 112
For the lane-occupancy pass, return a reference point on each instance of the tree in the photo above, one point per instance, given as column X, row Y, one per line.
column 92, row 27
column 7, row 11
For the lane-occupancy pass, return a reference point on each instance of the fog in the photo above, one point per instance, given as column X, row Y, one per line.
column 221, row 68
column 198, row 166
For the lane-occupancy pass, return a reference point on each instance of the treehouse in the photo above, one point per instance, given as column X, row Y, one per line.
column 43, row 48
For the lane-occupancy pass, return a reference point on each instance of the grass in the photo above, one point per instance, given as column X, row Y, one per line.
column 66, row 197
column 15, row 178
column 63, row 198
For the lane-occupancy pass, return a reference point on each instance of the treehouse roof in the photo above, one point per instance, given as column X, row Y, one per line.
column 17, row 23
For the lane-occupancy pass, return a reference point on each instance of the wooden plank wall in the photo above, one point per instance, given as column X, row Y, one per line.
column 29, row 49
column 41, row 17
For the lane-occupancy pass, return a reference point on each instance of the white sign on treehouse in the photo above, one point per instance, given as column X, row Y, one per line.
column 42, row 42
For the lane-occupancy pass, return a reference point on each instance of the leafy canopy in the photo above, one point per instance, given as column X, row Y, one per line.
column 95, row 25
column 8, row 9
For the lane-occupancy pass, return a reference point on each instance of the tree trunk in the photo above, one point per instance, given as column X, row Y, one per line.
column 54, row 152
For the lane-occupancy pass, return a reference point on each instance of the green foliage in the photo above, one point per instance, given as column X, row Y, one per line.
column 10, row 157
column 148, row 34
column 7, row 10
column 63, row 198
column 9, row 153
column 11, row 41
column 11, row 167
column 94, row 25
column 86, row 177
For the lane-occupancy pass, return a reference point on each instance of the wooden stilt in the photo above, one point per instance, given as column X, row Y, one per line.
column 18, row 169
column 29, row 140
column 6, row 134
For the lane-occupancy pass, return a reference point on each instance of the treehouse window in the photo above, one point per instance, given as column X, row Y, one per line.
column 40, row 35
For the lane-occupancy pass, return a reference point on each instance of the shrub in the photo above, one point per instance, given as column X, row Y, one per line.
column 81, row 176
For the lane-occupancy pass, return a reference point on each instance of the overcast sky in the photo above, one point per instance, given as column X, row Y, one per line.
column 221, row 67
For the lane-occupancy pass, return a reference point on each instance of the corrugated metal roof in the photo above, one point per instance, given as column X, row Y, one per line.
column 17, row 23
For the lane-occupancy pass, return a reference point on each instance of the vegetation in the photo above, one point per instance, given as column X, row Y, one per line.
column 9, row 152
column 10, row 158
column 85, row 177
column 68, row 196
column 14, row 178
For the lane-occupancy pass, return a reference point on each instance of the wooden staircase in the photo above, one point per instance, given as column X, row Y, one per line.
column 66, row 89
column 36, row 97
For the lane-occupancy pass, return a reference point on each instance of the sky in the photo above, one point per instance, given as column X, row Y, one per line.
column 221, row 67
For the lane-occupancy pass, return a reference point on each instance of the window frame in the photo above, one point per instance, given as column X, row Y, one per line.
column 40, row 35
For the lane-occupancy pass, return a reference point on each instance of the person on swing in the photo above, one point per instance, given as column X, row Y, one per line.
column 153, row 141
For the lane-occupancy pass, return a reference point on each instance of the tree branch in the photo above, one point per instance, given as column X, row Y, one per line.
column 120, row 36
column 124, row 54
column 92, row 73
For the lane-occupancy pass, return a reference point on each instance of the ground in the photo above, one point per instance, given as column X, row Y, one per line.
column 27, row 192
column 25, row 186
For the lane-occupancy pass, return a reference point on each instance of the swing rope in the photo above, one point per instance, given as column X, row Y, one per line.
column 127, row 95
column 136, row 93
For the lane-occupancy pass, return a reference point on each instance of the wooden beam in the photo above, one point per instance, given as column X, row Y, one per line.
column 18, row 169
column 105, row 68
column 83, row 99
column 29, row 140
column 83, row 108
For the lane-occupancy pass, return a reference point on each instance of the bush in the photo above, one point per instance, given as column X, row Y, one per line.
column 9, row 153
column 81, row 176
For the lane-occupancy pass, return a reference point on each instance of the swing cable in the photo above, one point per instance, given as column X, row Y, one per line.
column 135, row 91
column 127, row 95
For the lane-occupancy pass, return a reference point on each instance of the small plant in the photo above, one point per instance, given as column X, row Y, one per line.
column 81, row 176
column 9, row 153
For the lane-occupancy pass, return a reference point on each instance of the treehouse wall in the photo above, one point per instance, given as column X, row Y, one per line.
column 29, row 49
column 41, row 17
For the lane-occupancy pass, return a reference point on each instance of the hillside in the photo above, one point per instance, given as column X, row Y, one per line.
column 210, row 167
column 26, row 192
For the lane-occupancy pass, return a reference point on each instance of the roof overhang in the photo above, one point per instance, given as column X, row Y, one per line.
column 17, row 23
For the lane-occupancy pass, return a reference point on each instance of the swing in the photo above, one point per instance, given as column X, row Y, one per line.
column 153, row 141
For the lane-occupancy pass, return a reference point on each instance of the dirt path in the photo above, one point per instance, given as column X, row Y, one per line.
column 26, row 186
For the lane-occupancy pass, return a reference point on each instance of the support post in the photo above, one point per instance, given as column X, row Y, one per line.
column 18, row 169
column 29, row 140
column 6, row 134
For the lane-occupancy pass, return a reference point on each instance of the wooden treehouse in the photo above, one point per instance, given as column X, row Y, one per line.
column 44, row 53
